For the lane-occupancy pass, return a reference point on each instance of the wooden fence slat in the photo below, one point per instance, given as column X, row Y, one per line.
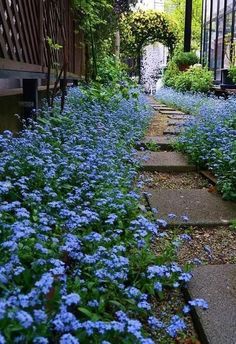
column 18, row 25
column 29, row 25
column 25, row 31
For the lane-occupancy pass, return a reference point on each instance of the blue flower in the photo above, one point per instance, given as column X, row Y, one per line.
column 24, row 319
column 93, row 303
column 2, row 339
column 71, row 299
column 45, row 283
column 176, row 325
column 155, row 323
column 199, row 303
column 68, row 339
column 40, row 340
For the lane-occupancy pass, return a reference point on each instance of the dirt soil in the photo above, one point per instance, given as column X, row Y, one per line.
column 190, row 180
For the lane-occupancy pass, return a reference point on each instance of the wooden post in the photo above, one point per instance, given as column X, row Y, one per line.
column 30, row 97
column 188, row 25
column 75, row 83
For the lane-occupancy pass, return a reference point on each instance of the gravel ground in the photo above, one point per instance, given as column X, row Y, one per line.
column 190, row 180
column 173, row 303
column 210, row 246
column 158, row 125
column 206, row 246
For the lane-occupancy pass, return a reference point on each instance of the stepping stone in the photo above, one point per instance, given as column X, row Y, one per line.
column 181, row 117
column 171, row 112
column 176, row 122
column 216, row 284
column 164, row 162
column 210, row 176
column 162, row 108
column 173, row 130
column 200, row 206
column 164, row 142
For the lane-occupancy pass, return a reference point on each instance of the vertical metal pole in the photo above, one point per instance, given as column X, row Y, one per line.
column 202, row 32
column 188, row 25
column 217, row 36
column 210, row 33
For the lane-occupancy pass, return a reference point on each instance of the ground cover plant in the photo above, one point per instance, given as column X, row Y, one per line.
column 76, row 264
column 210, row 137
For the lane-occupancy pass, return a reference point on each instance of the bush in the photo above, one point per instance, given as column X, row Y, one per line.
column 195, row 79
column 110, row 70
column 185, row 59
column 232, row 73
column 170, row 74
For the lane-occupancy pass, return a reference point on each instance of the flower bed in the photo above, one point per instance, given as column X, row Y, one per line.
column 210, row 138
column 76, row 265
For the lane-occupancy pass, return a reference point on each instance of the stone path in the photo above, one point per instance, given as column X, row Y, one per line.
column 217, row 285
column 192, row 207
column 165, row 162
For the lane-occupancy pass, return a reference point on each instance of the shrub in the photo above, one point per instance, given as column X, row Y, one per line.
column 185, row 59
column 110, row 70
column 170, row 74
column 195, row 79
column 232, row 73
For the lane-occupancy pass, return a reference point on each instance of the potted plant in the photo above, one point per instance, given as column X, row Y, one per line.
column 185, row 59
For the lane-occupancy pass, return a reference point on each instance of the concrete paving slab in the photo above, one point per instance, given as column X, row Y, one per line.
column 183, row 117
column 200, row 206
column 173, row 130
column 171, row 112
column 164, row 162
column 176, row 122
column 217, row 285
column 162, row 108
column 163, row 142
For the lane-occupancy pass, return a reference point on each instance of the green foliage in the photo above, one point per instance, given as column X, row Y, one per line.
column 99, row 22
column 112, row 82
column 110, row 70
column 170, row 74
column 144, row 27
column 232, row 73
column 195, row 79
column 53, row 45
column 185, row 59
column 92, row 13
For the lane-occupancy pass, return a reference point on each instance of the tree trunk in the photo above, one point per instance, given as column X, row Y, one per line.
column 139, row 66
column 117, row 45
column 87, row 63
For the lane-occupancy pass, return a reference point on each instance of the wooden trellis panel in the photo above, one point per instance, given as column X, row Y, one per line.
column 24, row 28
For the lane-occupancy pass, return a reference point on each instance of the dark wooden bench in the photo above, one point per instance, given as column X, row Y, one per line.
column 222, row 91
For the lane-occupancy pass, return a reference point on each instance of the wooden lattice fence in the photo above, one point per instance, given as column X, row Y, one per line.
column 24, row 28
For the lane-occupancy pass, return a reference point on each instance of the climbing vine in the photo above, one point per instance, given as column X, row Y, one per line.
column 141, row 28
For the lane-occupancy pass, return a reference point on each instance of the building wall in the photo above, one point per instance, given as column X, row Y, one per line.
column 218, row 35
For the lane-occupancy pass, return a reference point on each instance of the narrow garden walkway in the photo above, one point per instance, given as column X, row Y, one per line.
column 189, row 202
